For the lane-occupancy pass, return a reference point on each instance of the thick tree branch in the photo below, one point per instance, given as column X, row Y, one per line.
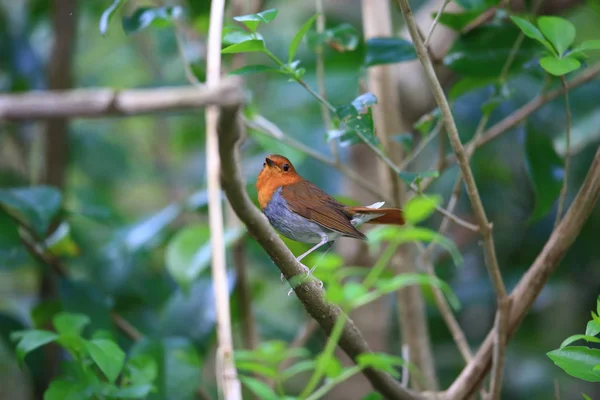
column 309, row 292
column 532, row 283
column 88, row 103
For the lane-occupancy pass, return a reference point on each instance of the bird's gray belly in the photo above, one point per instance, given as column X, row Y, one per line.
column 292, row 225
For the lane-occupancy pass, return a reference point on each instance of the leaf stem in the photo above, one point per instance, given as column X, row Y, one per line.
column 347, row 374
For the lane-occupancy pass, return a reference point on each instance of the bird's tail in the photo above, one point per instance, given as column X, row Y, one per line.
column 374, row 214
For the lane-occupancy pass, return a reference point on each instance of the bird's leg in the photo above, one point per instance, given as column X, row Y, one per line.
column 323, row 241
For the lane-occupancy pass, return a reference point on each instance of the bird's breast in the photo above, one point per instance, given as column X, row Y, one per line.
column 292, row 225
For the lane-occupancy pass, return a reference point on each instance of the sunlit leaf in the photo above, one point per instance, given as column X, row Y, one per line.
column 30, row 340
column 405, row 234
column 404, row 280
column 259, row 388
column 388, row 51
column 545, row 170
column 421, row 207
column 332, row 367
column 68, row 323
column 592, row 328
column 298, row 368
column 341, row 38
column 559, row 31
column 107, row 356
column 60, row 243
column 298, row 38
column 108, row 14
column 577, row 361
column 248, row 46
column 253, row 20
column 357, row 122
column 151, row 16
column 382, row 362
column 36, row 206
column 559, row 66
column 531, row 31
column 585, row 46
column 60, row 389
column 574, row 338
column 235, row 34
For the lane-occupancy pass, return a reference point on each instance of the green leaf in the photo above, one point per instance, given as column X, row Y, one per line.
column 382, row 362
column 235, row 34
column 254, row 69
column 532, row 32
column 257, row 368
column 260, row 389
column 578, row 361
column 559, row 66
column 388, row 51
column 353, row 290
column 468, row 84
column 253, row 20
column 545, row 170
column 298, row 37
column 65, row 390
column 332, row 367
column 373, row 396
column 142, row 369
column 405, row 234
column 420, row 207
column 30, row 340
column 416, row 177
column 68, row 323
column 36, row 206
column 107, row 356
column 592, row 328
column 583, row 47
column 559, row 31
column 107, row 15
column 248, row 46
column 574, row 338
column 298, row 368
column 60, row 243
column 151, row 16
column 404, row 280
column 585, row 396
column 189, row 252
column 482, row 52
column 457, row 21
column 359, row 122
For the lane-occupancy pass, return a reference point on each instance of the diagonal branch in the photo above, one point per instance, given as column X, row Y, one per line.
column 309, row 293
column 532, row 283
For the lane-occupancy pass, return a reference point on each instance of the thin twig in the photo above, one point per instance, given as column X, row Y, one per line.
column 321, row 78
column 565, row 186
column 421, row 146
column 498, row 357
column 450, row 125
column 435, row 22
column 405, row 370
column 227, row 380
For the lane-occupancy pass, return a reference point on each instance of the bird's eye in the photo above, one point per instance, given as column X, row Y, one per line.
column 264, row 164
column 286, row 167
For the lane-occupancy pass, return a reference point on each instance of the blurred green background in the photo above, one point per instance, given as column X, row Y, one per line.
column 136, row 205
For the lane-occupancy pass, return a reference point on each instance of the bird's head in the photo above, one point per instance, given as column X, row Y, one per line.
column 277, row 171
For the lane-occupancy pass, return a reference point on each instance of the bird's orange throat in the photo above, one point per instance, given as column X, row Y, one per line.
column 269, row 180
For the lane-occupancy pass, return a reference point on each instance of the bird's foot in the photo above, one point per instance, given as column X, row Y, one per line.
column 308, row 275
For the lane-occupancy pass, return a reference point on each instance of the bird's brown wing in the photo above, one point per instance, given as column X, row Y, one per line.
column 312, row 203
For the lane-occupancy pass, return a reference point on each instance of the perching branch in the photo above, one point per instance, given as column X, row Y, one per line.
column 532, row 283
column 91, row 103
column 309, row 292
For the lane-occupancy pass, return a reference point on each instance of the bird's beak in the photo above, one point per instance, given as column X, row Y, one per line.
column 270, row 162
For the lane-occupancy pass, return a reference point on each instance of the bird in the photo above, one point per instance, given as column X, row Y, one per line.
column 301, row 211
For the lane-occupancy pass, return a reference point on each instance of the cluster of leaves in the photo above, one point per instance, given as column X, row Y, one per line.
column 350, row 288
column 97, row 367
column 581, row 361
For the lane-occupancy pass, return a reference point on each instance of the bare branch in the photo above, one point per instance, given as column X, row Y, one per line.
column 90, row 103
column 530, row 286
column 309, row 292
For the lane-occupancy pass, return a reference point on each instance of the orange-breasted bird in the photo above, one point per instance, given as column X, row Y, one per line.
column 301, row 211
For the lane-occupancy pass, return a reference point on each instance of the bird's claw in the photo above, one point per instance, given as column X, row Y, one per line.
column 308, row 274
